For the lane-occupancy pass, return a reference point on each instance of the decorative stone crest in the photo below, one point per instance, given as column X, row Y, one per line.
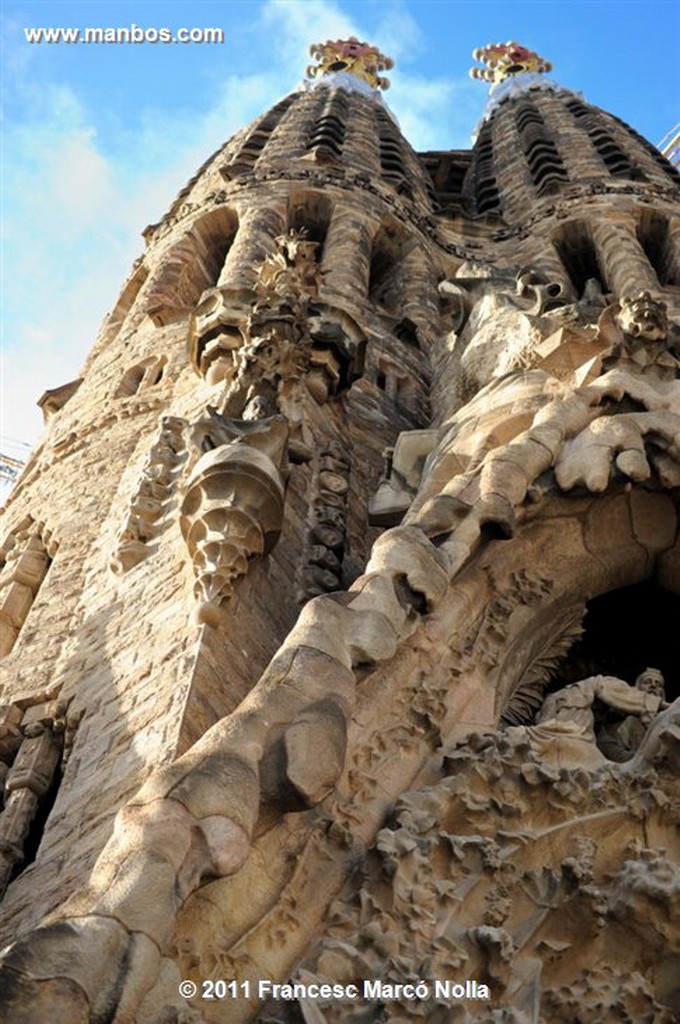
column 504, row 60
column 643, row 317
column 350, row 56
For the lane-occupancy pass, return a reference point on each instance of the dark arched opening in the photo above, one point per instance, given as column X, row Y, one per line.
column 624, row 632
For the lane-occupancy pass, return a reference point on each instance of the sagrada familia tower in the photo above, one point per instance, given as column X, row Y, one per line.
column 339, row 602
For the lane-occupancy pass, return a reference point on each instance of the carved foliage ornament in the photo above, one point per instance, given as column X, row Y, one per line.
column 503, row 872
column 270, row 344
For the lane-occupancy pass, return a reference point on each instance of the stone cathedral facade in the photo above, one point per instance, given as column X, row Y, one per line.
column 339, row 603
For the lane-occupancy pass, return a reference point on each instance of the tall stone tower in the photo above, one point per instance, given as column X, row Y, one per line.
column 338, row 604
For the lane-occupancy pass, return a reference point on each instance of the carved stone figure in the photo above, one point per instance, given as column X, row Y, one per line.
column 618, row 740
column 565, row 733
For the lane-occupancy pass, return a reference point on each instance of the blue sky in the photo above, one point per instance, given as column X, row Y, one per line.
column 97, row 139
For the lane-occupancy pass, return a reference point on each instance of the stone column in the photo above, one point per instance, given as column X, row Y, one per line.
column 28, row 780
column 673, row 256
column 258, row 227
column 622, row 259
column 550, row 265
column 346, row 263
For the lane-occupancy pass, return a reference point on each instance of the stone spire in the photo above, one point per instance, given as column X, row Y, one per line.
column 512, row 71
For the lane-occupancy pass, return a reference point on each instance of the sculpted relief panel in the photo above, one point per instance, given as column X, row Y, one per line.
column 517, row 872
column 271, row 344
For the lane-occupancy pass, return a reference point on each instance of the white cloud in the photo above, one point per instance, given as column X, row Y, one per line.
column 397, row 34
column 73, row 220
column 435, row 113
column 295, row 24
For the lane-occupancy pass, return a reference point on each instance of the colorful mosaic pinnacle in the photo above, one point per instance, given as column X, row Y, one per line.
column 352, row 57
column 504, row 60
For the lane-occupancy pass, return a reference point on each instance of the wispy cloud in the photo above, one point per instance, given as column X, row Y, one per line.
column 74, row 210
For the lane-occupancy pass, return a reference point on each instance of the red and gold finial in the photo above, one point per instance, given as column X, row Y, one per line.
column 504, row 60
column 351, row 57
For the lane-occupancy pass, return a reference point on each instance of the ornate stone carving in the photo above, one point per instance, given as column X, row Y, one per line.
column 640, row 337
column 233, row 506
column 328, row 520
column 216, row 329
column 502, row 872
column 291, row 273
column 643, row 317
column 30, row 775
column 26, row 556
column 484, row 643
column 153, row 494
column 273, row 345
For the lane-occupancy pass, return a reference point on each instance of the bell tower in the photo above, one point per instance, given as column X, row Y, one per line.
column 337, row 603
